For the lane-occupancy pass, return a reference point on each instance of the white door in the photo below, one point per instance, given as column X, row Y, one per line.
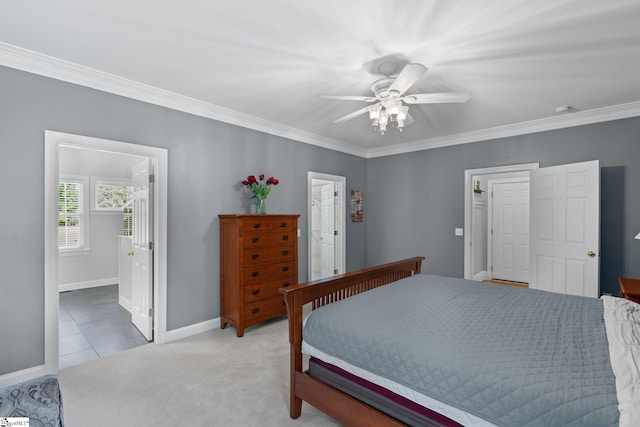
column 509, row 231
column 142, row 268
column 328, row 229
column 565, row 229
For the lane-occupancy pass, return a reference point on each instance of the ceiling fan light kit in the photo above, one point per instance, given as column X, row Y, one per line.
column 388, row 113
column 388, row 109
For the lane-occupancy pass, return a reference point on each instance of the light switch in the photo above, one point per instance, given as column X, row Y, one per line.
column 459, row 231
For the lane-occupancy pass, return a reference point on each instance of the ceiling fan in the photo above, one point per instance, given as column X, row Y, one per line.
column 388, row 103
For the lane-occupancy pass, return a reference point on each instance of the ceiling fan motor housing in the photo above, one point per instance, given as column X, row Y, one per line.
column 381, row 87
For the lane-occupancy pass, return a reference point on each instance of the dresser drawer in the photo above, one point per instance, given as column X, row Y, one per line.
column 264, row 290
column 268, row 272
column 254, row 240
column 267, row 254
column 256, row 224
column 265, row 309
column 284, row 225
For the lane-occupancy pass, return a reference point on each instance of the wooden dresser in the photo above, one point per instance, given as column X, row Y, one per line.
column 258, row 256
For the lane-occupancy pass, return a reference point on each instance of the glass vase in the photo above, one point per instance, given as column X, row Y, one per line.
column 260, row 207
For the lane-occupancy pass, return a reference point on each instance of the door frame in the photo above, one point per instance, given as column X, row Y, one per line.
column 490, row 184
column 468, row 206
column 340, row 244
column 159, row 158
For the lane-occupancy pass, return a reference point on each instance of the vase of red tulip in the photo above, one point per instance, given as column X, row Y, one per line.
column 259, row 189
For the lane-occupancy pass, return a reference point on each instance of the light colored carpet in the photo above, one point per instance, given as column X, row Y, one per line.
column 211, row 379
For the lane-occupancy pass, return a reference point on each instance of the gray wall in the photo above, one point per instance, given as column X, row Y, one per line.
column 415, row 200
column 207, row 160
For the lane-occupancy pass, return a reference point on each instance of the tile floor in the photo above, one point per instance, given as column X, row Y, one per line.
column 94, row 325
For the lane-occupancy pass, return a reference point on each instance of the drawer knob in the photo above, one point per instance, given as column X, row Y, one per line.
column 285, row 285
column 285, row 253
column 255, row 310
column 256, row 225
column 255, row 256
column 285, row 237
column 255, row 292
column 255, row 273
column 255, row 239
column 285, row 268
column 283, row 224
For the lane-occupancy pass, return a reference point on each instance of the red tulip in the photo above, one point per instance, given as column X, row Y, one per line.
column 251, row 179
column 275, row 182
column 245, row 182
column 261, row 177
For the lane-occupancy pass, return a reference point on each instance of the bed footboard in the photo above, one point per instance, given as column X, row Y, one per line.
column 319, row 293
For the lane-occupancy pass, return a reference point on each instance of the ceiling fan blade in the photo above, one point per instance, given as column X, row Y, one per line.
column 350, row 98
column 352, row 115
column 407, row 77
column 437, row 98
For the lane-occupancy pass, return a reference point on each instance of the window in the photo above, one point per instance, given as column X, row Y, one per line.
column 110, row 196
column 73, row 213
column 70, row 215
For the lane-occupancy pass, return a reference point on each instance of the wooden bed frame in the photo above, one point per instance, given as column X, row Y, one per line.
column 344, row 408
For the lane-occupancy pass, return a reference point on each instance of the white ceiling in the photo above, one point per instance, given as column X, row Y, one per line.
column 265, row 64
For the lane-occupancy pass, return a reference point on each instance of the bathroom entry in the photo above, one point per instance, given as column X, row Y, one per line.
column 326, row 225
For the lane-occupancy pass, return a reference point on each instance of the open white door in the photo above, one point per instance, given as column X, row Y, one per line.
column 142, row 270
column 565, row 229
column 326, row 219
column 328, row 230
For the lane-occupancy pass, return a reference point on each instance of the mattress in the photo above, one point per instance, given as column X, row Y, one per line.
column 480, row 354
column 378, row 397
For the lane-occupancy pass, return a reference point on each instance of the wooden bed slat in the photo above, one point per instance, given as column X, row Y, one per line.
column 320, row 293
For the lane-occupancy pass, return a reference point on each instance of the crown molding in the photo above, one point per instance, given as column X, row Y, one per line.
column 597, row 115
column 47, row 66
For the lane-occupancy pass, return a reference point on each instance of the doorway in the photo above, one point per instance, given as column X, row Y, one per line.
column 55, row 142
column 96, row 248
column 326, row 219
column 564, row 226
column 476, row 215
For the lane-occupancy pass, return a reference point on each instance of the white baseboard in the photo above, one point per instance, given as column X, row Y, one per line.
column 88, row 284
column 483, row 275
column 196, row 328
column 125, row 303
column 23, row 375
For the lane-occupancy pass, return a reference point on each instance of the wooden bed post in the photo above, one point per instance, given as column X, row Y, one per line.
column 294, row 311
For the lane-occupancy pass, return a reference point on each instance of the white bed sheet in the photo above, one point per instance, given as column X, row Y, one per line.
column 622, row 322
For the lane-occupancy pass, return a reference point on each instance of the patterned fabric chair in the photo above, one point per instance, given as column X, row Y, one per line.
column 39, row 399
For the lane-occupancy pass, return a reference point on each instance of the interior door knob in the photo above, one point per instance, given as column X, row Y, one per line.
column 591, row 254
column 130, row 253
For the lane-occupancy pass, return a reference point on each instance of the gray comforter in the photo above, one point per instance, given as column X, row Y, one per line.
column 511, row 356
